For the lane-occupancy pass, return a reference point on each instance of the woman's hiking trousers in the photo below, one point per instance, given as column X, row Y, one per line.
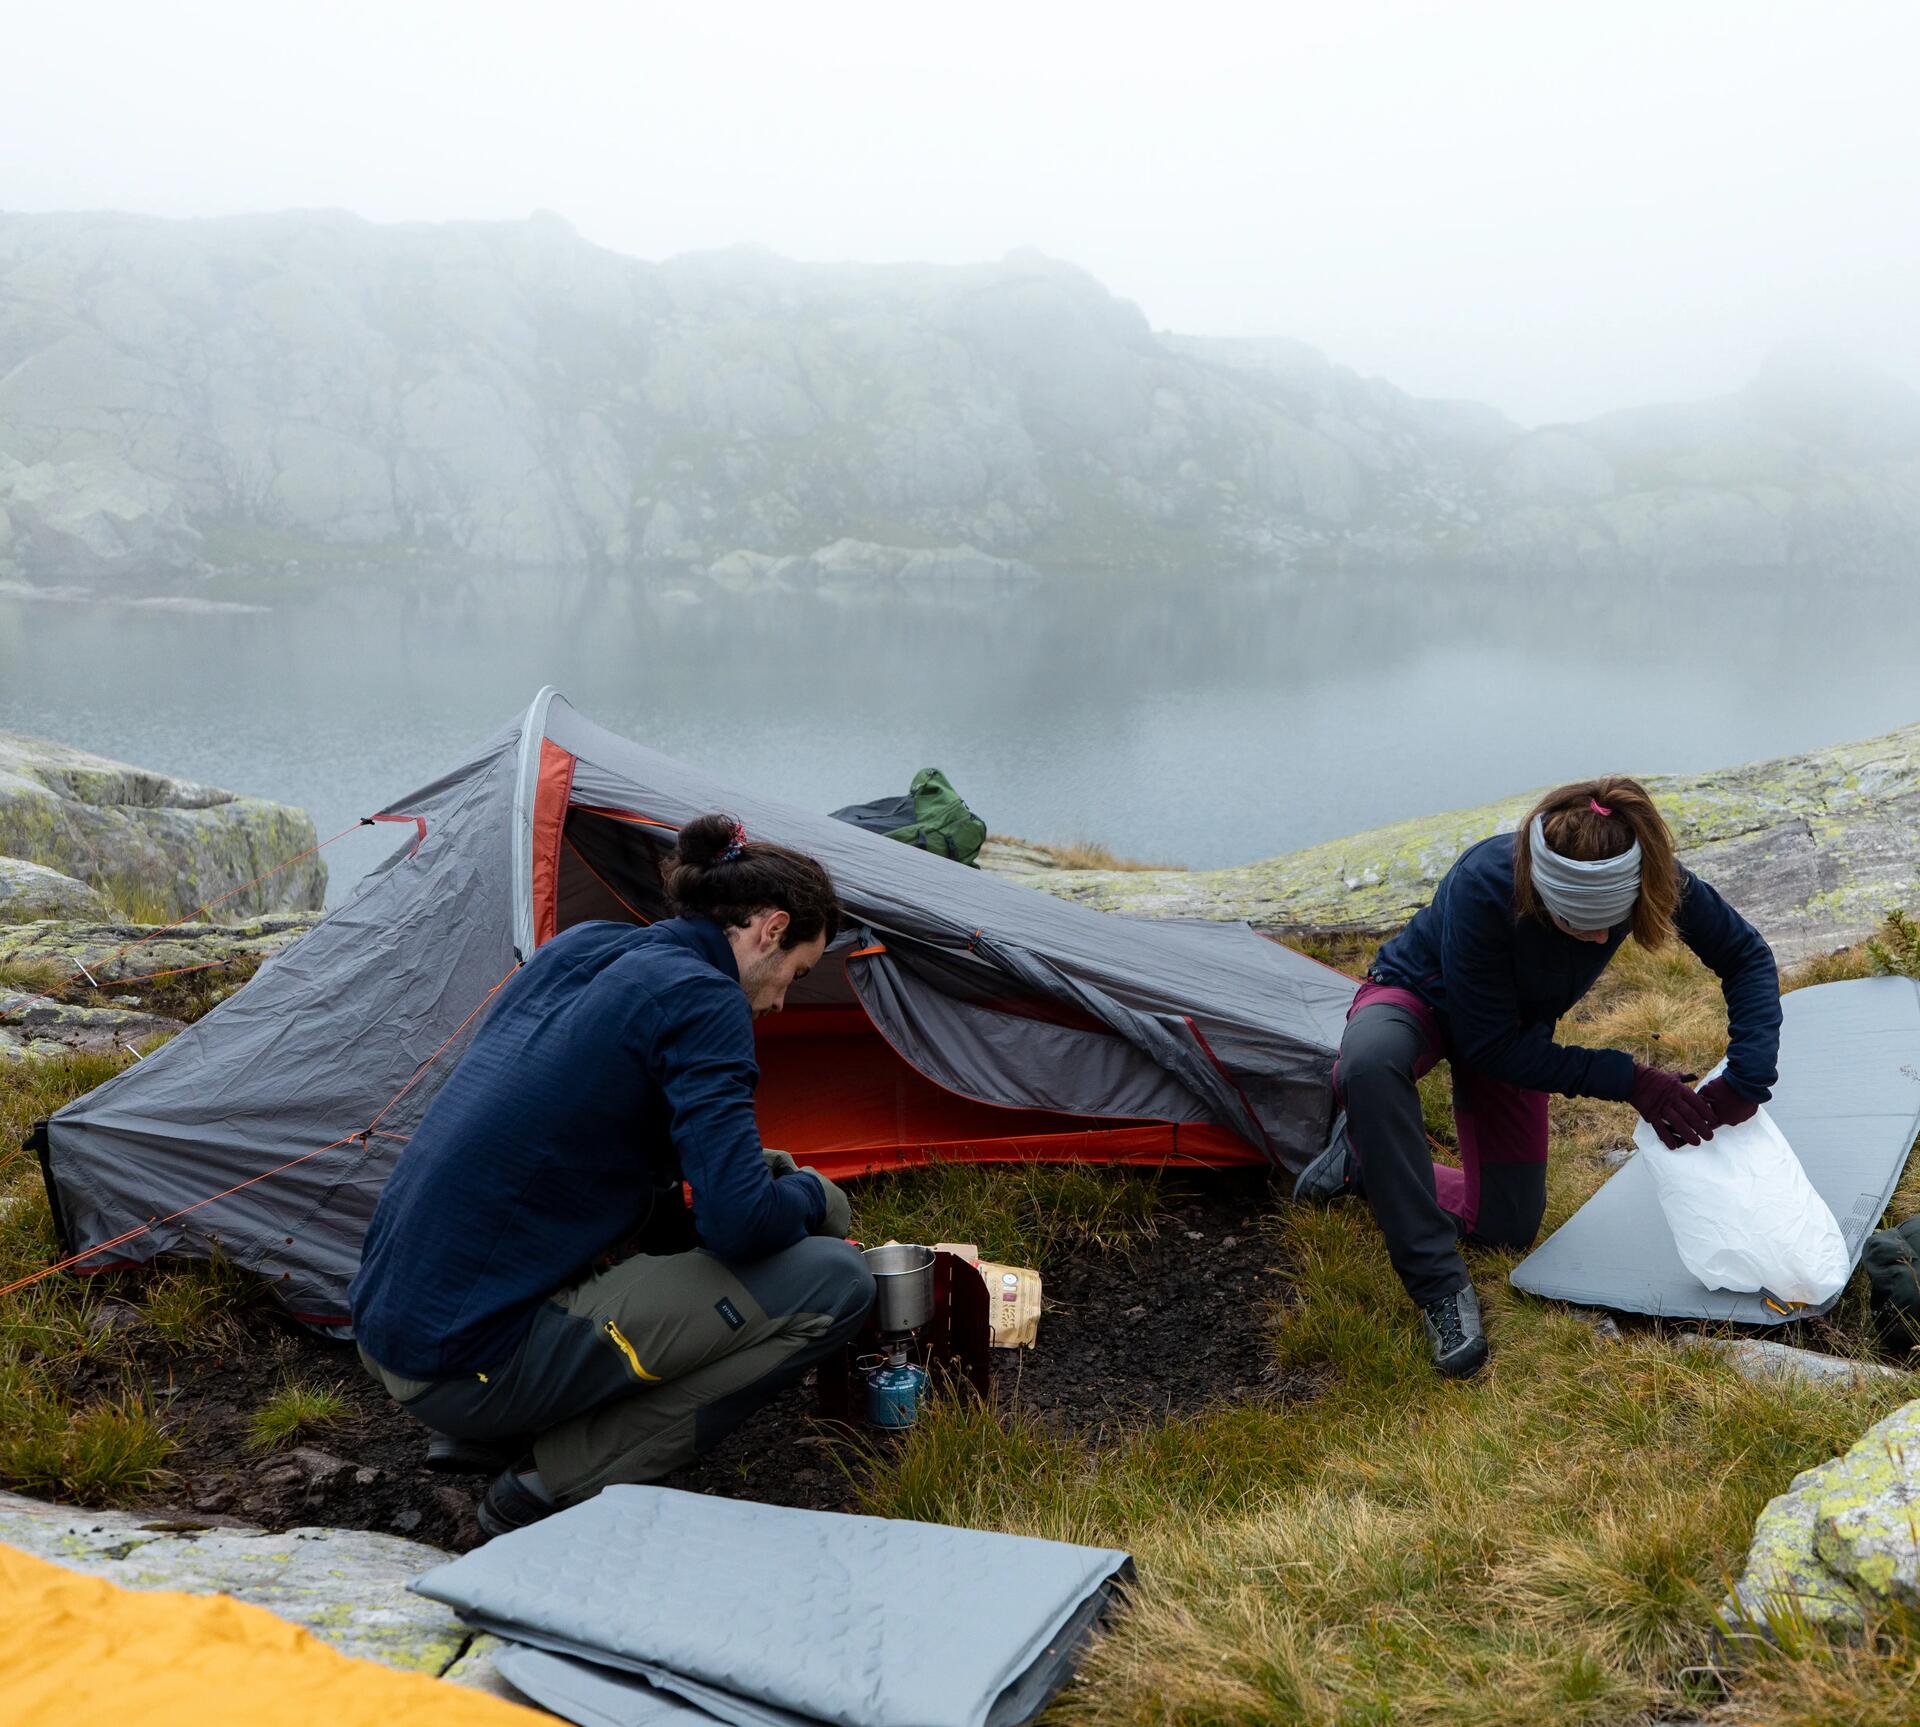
column 650, row 1363
column 1498, row 1194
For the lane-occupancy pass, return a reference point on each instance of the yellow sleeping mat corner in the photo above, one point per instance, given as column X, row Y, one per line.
column 78, row 1650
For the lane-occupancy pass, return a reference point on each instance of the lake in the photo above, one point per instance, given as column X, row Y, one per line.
column 1209, row 720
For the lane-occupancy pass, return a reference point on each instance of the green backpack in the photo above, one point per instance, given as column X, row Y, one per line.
column 941, row 822
column 932, row 816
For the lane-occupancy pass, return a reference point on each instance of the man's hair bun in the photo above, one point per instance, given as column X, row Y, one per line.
column 705, row 840
column 717, row 871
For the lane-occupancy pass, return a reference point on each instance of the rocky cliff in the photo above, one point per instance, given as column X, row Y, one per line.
column 311, row 388
column 1814, row 849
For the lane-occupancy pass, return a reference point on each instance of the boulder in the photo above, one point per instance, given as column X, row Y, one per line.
column 347, row 1586
column 31, row 1025
column 31, row 891
column 1814, row 849
column 1841, row 1541
column 155, row 844
column 1761, row 1358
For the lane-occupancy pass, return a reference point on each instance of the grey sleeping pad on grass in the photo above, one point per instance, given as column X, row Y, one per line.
column 1849, row 1103
column 765, row 1616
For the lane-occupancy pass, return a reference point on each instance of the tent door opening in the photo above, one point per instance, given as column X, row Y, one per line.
column 833, row 1091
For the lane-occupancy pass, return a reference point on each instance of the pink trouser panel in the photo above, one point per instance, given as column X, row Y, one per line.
column 1496, row 1122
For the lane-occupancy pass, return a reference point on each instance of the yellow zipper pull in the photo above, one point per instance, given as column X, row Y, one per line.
column 626, row 1349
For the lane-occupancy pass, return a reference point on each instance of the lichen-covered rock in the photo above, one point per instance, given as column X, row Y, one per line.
column 117, row 952
column 1843, row 1540
column 165, row 845
column 31, row 891
column 1785, row 1580
column 1866, row 1525
column 32, row 1025
column 67, row 954
column 348, row 1587
column 1814, row 849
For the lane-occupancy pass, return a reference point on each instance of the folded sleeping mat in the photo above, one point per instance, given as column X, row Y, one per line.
column 647, row 1606
column 1848, row 1102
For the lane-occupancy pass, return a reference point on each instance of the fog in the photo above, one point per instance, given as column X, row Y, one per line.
column 1558, row 210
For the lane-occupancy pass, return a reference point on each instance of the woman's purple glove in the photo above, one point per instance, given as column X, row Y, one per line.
column 1675, row 1111
column 1729, row 1107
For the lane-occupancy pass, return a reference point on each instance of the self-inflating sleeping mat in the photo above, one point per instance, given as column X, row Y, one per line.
column 1848, row 1102
column 764, row 1616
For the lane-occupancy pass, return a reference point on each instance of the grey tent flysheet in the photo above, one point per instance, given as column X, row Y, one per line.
column 767, row 1616
column 300, row 1090
column 1848, row 1102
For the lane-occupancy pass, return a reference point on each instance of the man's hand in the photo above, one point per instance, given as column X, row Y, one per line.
column 839, row 1217
column 1729, row 1106
column 838, row 1220
column 1674, row 1110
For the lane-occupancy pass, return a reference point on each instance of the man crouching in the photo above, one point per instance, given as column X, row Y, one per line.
column 618, row 1063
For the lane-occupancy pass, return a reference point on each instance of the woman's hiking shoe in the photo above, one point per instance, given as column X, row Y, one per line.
column 1454, row 1331
column 1332, row 1174
column 516, row 1498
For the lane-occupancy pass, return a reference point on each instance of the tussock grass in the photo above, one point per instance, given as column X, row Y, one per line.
column 1083, row 854
column 105, row 1452
column 197, row 1305
column 296, row 1411
column 1019, row 1214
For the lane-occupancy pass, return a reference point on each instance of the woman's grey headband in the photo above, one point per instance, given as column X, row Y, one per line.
column 1584, row 896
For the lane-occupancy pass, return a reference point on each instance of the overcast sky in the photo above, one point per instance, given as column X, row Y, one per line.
column 1556, row 207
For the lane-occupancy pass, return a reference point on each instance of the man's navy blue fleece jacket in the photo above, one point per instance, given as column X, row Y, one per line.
column 1499, row 985
column 617, row 1062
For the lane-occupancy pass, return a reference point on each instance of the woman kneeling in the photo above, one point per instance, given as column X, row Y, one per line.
column 1519, row 930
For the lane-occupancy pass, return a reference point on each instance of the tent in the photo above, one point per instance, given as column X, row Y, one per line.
column 961, row 1016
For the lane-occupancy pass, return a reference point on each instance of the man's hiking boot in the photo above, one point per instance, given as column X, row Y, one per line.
column 449, row 1456
column 1331, row 1175
column 1454, row 1330
column 516, row 1498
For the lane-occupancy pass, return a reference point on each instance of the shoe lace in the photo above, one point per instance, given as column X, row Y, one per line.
column 1445, row 1314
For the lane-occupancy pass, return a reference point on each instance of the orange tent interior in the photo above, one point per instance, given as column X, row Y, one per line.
column 833, row 1091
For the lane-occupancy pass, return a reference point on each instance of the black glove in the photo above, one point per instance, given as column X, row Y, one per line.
column 1730, row 1107
column 1674, row 1110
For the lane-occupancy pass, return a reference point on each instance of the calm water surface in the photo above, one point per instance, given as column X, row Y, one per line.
column 1208, row 721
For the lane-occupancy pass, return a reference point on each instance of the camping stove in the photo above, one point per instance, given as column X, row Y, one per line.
column 902, row 1306
column 928, row 1331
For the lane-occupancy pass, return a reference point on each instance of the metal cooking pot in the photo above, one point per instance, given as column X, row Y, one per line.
column 903, row 1286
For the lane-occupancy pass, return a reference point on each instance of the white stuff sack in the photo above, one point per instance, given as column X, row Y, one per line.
column 1743, row 1214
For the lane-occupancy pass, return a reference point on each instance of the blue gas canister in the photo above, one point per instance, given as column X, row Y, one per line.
column 894, row 1391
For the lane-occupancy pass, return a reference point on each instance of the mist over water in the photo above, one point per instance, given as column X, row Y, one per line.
column 1208, row 720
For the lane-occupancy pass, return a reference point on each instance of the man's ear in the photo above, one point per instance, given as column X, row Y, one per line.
column 776, row 927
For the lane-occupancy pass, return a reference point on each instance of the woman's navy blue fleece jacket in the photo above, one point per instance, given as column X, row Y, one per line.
column 1499, row 984
column 617, row 1062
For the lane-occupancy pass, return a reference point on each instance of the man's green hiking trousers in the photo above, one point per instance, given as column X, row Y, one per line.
column 647, row 1365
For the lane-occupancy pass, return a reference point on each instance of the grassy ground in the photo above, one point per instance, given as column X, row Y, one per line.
column 1546, row 1544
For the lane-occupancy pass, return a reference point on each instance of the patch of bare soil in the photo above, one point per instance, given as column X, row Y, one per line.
column 1171, row 1322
